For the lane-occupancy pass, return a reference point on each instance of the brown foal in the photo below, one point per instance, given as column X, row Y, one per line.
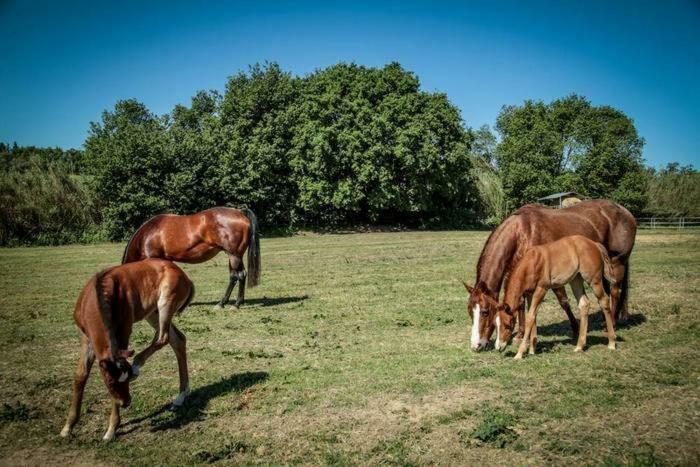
column 570, row 260
column 110, row 303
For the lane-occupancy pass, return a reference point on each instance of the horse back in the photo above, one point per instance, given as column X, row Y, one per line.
column 193, row 238
column 602, row 221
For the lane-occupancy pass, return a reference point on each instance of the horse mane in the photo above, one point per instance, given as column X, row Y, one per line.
column 495, row 256
column 106, row 311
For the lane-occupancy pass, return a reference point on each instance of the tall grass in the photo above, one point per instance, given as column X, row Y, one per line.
column 490, row 188
column 46, row 205
column 674, row 194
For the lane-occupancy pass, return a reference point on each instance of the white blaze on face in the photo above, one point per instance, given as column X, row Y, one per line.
column 498, row 332
column 475, row 339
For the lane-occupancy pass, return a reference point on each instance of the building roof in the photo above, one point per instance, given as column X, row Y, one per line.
column 560, row 195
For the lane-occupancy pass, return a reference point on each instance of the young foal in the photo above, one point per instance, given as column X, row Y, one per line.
column 110, row 303
column 570, row 260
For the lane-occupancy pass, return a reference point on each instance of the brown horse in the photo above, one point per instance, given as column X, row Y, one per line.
column 199, row 237
column 570, row 260
column 599, row 220
column 106, row 310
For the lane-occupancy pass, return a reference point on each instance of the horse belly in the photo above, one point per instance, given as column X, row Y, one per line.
column 197, row 253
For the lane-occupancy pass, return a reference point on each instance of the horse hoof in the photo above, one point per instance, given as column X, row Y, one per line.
column 612, row 346
column 235, row 307
column 218, row 306
column 518, row 357
column 108, row 437
column 65, row 432
column 578, row 349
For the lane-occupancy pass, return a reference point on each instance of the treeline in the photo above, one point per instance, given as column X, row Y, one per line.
column 344, row 145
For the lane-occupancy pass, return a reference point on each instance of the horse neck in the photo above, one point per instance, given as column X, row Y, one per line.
column 515, row 286
column 109, row 333
column 496, row 257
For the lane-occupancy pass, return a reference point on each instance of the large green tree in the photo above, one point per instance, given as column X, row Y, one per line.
column 570, row 145
column 129, row 155
column 370, row 146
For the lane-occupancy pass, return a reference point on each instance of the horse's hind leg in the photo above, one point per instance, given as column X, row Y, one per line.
column 583, row 308
column 617, row 306
column 241, row 285
column 234, row 262
column 564, row 302
column 178, row 343
column 85, row 361
column 604, row 303
column 161, row 321
column 114, row 421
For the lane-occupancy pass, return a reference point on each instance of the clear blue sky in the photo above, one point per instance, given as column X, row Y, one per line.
column 63, row 63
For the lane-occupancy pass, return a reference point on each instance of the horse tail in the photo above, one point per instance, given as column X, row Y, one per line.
column 607, row 264
column 253, row 249
column 187, row 302
column 624, row 289
column 128, row 246
column 106, row 311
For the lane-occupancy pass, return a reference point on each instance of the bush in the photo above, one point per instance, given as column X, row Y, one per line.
column 46, row 206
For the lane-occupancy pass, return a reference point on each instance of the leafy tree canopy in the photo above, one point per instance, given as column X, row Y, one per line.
column 570, row 145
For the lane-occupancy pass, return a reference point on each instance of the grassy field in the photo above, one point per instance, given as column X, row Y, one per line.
column 354, row 350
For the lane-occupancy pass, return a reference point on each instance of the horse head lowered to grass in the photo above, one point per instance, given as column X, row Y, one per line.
column 106, row 310
column 601, row 221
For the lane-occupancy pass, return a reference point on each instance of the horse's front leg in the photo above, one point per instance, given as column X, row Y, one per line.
column 520, row 312
column 537, row 297
column 85, row 361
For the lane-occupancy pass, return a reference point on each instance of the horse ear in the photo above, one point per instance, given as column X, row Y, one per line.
column 468, row 287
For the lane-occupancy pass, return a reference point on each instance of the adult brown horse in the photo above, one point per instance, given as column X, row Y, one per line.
column 199, row 237
column 602, row 221
column 106, row 310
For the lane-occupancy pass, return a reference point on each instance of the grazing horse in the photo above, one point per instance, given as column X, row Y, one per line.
column 599, row 220
column 569, row 260
column 106, row 310
column 199, row 237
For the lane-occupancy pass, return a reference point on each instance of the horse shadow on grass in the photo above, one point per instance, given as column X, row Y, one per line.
column 562, row 332
column 262, row 302
column 596, row 322
column 196, row 403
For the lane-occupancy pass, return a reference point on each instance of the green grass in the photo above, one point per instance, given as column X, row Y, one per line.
column 354, row 350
